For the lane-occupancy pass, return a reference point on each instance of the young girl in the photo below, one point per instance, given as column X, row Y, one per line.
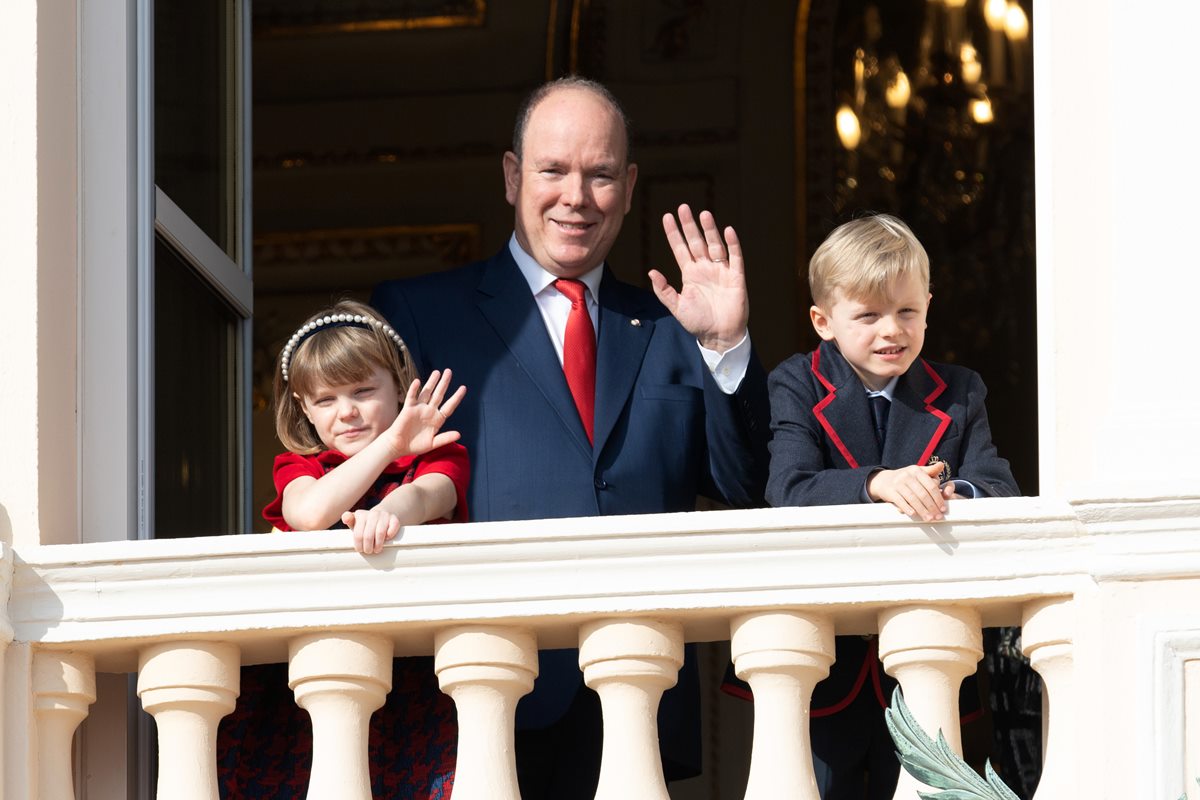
column 359, row 459
column 355, row 454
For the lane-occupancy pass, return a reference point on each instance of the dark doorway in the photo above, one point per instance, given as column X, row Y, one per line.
column 379, row 127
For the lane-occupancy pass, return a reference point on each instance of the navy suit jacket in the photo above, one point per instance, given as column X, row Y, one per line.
column 664, row 432
column 824, row 448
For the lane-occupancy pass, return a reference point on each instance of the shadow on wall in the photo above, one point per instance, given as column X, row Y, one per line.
column 6, row 532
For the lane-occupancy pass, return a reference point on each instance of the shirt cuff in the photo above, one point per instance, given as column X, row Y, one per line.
column 965, row 488
column 863, row 495
column 730, row 367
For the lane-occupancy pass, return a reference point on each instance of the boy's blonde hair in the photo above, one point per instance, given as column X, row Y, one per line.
column 863, row 257
column 333, row 356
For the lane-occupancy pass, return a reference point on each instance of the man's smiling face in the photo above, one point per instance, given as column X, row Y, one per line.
column 571, row 186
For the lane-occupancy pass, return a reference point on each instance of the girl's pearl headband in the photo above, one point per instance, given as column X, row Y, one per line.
column 334, row 321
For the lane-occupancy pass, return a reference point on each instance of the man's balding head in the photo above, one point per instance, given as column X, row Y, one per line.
column 568, row 83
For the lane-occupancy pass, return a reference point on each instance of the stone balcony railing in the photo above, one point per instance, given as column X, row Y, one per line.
column 1102, row 589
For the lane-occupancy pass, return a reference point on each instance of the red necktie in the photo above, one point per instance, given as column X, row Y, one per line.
column 579, row 352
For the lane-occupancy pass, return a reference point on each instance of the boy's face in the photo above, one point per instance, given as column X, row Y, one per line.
column 880, row 337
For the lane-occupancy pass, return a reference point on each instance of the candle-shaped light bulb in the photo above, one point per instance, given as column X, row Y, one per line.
column 860, row 71
column 898, row 91
column 972, row 70
column 1016, row 24
column 848, row 129
column 981, row 111
column 995, row 12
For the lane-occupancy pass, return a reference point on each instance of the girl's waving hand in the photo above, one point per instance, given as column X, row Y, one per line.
column 418, row 427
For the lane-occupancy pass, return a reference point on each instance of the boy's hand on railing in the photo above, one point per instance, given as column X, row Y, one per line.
column 914, row 490
column 372, row 527
column 418, row 427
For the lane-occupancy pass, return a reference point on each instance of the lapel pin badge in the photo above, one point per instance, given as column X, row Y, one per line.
column 637, row 323
column 945, row 475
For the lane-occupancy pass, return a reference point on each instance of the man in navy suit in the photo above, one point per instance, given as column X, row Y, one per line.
column 679, row 406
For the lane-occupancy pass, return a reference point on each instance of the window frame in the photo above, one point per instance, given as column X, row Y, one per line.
column 230, row 279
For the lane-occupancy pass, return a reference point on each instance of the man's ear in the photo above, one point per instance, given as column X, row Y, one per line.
column 512, row 176
column 630, row 182
column 820, row 322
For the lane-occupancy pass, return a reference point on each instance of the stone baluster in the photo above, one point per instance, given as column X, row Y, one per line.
column 930, row 650
column 486, row 670
column 782, row 655
column 187, row 687
column 64, row 685
column 630, row 663
column 340, row 679
column 1047, row 638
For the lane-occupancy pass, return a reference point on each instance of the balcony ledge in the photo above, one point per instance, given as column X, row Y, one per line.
column 551, row 574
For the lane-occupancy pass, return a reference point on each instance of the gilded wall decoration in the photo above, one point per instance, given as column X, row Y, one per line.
column 310, row 17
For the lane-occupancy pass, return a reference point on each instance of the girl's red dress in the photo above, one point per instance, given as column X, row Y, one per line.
column 264, row 748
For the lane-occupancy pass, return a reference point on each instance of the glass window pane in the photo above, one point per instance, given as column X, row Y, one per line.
column 194, row 123
column 196, row 440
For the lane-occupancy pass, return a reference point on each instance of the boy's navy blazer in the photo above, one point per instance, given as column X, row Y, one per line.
column 824, row 448
column 664, row 431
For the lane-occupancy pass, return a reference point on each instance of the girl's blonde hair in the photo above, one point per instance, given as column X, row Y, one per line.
column 333, row 355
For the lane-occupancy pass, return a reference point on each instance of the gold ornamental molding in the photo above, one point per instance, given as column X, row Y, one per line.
column 563, row 41
column 451, row 243
column 284, row 18
column 383, row 155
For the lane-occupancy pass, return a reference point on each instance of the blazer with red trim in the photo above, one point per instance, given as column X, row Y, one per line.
column 824, row 448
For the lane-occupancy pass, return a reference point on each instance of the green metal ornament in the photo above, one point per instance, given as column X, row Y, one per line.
column 935, row 764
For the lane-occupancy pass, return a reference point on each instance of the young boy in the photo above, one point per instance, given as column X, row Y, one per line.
column 865, row 419
column 926, row 440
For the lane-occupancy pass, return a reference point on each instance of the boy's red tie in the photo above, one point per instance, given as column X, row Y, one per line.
column 579, row 352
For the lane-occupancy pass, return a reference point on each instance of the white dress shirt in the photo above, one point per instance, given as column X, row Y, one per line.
column 728, row 368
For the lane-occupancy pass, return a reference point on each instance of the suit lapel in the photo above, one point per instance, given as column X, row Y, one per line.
column 622, row 342
column 915, row 424
column 507, row 304
column 844, row 411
